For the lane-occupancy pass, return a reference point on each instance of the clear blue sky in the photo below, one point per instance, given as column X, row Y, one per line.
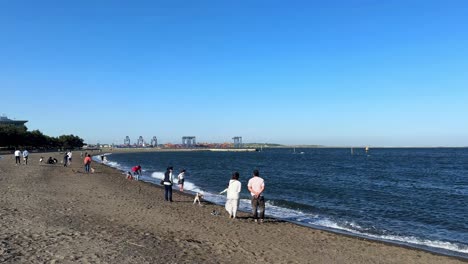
column 378, row 73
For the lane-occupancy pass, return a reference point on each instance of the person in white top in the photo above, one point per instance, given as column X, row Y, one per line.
column 256, row 187
column 18, row 157
column 233, row 190
column 181, row 180
column 69, row 157
column 25, row 156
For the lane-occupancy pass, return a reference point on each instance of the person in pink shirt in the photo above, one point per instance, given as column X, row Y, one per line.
column 87, row 163
column 256, row 187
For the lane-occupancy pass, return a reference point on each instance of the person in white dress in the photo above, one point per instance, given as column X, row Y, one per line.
column 233, row 190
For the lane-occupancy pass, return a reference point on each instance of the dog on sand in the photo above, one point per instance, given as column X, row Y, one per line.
column 197, row 198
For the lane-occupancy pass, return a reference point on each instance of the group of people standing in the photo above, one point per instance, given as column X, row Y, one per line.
column 25, row 154
column 168, row 181
column 256, row 186
column 18, row 155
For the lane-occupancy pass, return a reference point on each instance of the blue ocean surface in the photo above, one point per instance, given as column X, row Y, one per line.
column 415, row 197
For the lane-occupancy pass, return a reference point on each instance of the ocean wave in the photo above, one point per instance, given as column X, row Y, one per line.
column 407, row 240
column 317, row 221
column 307, row 219
column 109, row 163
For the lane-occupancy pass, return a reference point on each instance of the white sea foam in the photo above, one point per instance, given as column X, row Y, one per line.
column 409, row 240
column 189, row 186
column 348, row 227
column 157, row 175
column 301, row 217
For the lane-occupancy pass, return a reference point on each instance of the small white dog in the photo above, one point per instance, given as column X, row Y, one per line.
column 198, row 197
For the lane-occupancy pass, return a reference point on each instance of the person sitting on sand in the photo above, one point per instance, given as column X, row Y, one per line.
column 181, row 180
column 233, row 190
column 50, row 160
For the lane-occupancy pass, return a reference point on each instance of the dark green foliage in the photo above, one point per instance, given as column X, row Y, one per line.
column 70, row 141
column 14, row 136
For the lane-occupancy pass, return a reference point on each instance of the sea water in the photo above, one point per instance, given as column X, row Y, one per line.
column 416, row 197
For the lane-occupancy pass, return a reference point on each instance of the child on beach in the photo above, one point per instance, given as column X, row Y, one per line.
column 129, row 176
column 181, row 179
column 233, row 190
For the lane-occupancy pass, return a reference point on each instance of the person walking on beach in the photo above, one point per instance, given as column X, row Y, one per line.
column 17, row 157
column 65, row 160
column 256, row 187
column 168, row 180
column 25, row 156
column 232, row 199
column 69, row 157
column 87, row 163
column 181, row 180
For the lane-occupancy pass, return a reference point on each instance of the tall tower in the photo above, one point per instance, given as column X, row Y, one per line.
column 141, row 142
column 127, row 141
column 154, row 142
column 188, row 142
column 237, row 142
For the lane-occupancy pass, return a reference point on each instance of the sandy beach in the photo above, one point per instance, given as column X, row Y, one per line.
column 56, row 214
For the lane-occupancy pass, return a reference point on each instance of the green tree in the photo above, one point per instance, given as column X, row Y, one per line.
column 70, row 141
column 12, row 136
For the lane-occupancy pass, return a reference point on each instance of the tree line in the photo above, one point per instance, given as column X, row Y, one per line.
column 12, row 136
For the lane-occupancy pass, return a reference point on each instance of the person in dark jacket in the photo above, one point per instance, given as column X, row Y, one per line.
column 168, row 180
column 65, row 160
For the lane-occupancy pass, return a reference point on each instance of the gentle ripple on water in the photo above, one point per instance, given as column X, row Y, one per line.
column 416, row 196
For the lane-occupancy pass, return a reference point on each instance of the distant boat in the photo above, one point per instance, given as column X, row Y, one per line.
column 367, row 149
column 294, row 151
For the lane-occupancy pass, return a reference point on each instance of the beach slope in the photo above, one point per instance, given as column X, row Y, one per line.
column 56, row 214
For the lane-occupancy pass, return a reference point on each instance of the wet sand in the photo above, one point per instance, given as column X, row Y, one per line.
column 56, row 214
